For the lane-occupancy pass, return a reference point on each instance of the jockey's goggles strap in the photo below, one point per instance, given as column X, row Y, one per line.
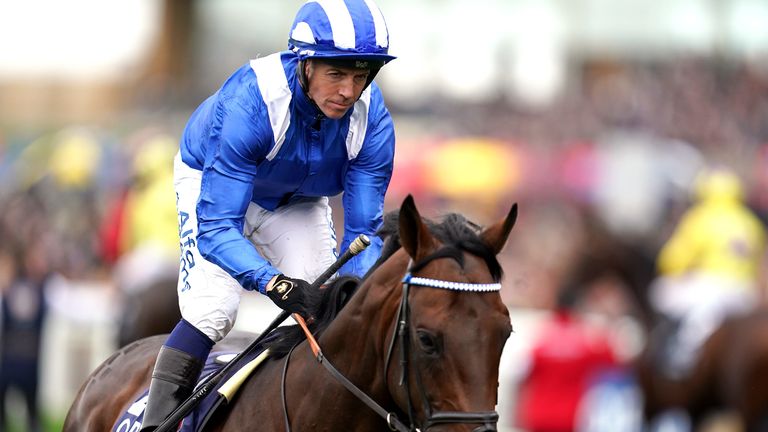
column 448, row 285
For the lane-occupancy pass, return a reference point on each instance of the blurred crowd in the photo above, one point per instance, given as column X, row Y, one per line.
column 82, row 215
column 714, row 103
column 602, row 177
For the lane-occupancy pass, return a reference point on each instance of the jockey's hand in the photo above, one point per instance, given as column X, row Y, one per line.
column 289, row 294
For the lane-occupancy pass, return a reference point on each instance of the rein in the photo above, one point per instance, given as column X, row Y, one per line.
column 391, row 418
column 488, row 419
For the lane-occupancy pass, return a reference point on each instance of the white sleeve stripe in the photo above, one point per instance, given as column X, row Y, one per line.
column 276, row 94
column 358, row 124
column 341, row 23
column 379, row 25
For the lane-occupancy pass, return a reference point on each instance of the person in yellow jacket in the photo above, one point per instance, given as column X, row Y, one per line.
column 151, row 217
column 710, row 267
column 149, row 241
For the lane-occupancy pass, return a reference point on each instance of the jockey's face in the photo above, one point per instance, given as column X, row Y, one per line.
column 334, row 88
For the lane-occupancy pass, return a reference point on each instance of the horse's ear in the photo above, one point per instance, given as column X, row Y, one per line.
column 496, row 236
column 414, row 234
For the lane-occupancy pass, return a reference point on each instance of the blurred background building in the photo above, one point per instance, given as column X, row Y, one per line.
column 594, row 115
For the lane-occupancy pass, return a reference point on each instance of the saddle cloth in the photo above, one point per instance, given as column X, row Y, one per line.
column 131, row 419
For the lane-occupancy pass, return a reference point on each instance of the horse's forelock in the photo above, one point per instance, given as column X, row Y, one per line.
column 454, row 230
column 457, row 231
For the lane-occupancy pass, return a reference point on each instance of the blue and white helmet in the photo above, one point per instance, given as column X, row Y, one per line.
column 340, row 29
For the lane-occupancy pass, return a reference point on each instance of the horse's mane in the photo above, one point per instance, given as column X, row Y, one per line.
column 454, row 231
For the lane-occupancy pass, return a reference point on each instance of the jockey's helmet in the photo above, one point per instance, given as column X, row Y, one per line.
column 349, row 32
column 718, row 184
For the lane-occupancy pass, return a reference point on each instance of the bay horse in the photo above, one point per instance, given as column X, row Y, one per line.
column 730, row 374
column 429, row 357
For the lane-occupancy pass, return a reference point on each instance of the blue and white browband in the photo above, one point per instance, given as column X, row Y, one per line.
column 454, row 286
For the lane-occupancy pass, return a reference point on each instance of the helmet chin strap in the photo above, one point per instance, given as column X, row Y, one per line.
column 371, row 75
column 301, row 72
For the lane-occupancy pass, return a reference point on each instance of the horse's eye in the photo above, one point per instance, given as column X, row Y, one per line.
column 429, row 343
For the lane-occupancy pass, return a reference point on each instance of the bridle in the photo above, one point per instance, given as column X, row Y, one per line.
column 401, row 333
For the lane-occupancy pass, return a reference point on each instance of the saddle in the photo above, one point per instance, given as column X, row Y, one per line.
column 196, row 421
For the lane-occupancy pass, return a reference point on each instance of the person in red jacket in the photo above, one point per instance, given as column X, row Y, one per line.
column 567, row 357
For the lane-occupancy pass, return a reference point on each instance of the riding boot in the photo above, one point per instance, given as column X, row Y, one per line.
column 173, row 380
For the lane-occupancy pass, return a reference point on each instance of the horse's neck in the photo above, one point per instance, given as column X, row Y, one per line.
column 359, row 335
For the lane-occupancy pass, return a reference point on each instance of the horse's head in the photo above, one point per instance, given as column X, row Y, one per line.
column 444, row 358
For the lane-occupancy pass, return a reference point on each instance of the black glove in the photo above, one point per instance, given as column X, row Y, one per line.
column 290, row 294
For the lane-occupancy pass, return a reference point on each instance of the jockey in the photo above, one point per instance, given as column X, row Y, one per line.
column 258, row 161
column 710, row 267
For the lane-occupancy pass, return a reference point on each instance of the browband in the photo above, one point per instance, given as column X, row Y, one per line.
column 448, row 285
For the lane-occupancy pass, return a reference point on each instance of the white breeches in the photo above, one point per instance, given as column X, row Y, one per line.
column 701, row 303
column 297, row 239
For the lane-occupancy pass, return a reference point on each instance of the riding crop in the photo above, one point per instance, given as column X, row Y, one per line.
column 171, row 423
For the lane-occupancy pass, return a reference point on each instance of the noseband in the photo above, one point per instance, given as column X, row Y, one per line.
column 402, row 331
